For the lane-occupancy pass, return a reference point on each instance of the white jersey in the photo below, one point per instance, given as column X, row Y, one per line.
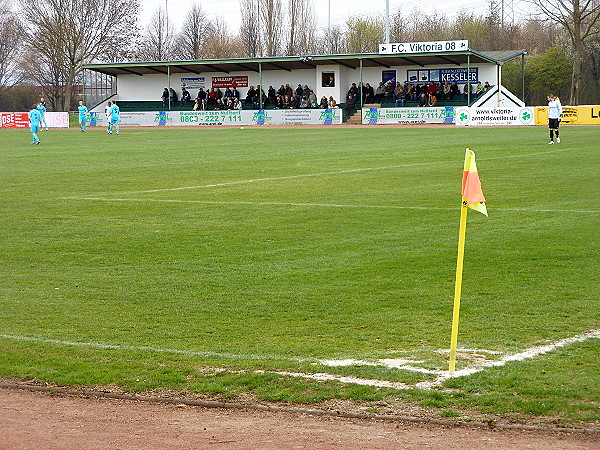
column 554, row 109
column 107, row 112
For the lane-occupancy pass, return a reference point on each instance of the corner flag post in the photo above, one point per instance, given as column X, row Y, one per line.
column 472, row 197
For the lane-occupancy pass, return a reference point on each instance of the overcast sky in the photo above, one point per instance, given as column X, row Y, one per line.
column 340, row 9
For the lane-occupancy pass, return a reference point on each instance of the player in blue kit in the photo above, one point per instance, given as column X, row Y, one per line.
column 114, row 118
column 34, row 123
column 42, row 109
column 83, row 112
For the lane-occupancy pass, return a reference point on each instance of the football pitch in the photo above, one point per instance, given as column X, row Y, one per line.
column 303, row 265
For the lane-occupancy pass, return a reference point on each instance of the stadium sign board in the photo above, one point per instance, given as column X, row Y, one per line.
column 424, row 47
column 494, row 116
column 21, row 120
column 225, row 117
column 395, row 116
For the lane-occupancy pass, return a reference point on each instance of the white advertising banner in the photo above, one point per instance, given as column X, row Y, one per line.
column 395, row 116
column 225, row 117
column 424, row 47
column 494, row 116
column 57, row 119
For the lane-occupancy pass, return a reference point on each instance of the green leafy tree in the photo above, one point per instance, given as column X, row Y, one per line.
column 364, row 35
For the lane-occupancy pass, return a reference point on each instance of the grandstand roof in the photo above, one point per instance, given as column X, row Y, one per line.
column 289, row 63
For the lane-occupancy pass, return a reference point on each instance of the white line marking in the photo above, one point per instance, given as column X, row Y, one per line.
column 320, row 205
column 442, row 375
column 527, row 354
column 149, row 349
column 320, row 174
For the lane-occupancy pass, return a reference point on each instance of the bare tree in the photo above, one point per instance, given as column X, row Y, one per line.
column 189, row 43
column 579, row 18
column 220, row 44
column 159, row 38
column 249, row 30
column 301, row 17
column 10, row 48
column 271, row 20
column 65, row 34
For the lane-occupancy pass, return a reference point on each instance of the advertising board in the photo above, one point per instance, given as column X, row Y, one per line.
column 499, row 116
column 389, row 116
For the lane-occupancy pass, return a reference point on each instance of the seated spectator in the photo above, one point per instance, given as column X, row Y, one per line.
column 227, row 95
column 281, row 91
column 354, row 90
column 431, row 88
column 250, row 95
column 201, row 94
column 389, row 91
column 380, row 92
column 446, row 91
column 279, row 102
column 298, row 92
column 368, row 93
column 323, row 102
column 235, row 93
column 439, row 90
column 312, row 100
column 165, row 97
column 454, row 90
column 295, row 100
column 235, row 103
column 288, row 91
column 172, row 96
column 331, row 103
column 486, row 86
column 399, row 95
column 219, row 104
column 466, row 91
column 287, row 102
column 196, row 106
column 271, row 95
column 219, row 94
column 185, row 97
column 305, row 90
column 304, row 102
column 416, row 92
column 479, row 89
column 432, row 100
column 409, row 90
column 350, row 104
column 423, row 99
column 211, row 100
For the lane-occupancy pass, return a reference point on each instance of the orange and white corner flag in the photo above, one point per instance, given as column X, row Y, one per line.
column 471, row 186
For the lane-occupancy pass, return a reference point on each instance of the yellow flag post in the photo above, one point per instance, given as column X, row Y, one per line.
column 472, row 197
column 458, row 283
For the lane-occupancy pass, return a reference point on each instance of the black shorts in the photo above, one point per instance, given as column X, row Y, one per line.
column 553, row 124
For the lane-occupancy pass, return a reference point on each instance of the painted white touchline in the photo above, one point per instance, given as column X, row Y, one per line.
column 442, row 375
column 322, row 205
column 320, row 174
column 148, row 349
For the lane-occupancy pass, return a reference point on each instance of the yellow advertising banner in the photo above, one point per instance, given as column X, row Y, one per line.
column 572, row 115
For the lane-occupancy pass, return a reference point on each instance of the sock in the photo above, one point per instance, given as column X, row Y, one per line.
column 110, row 127
column 84, row 126
column 551, row 135
column 117, row 127
column 556, row 133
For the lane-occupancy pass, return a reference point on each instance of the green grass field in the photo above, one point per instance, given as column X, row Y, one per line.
column 215, row 260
